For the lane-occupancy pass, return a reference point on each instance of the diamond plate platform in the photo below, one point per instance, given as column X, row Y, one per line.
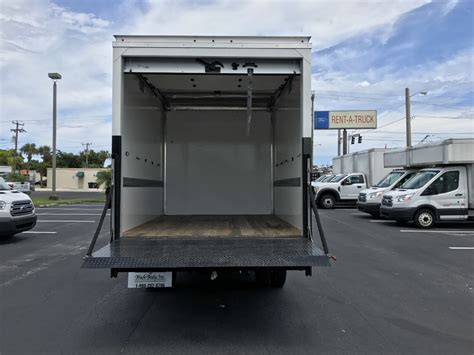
column 218, row 252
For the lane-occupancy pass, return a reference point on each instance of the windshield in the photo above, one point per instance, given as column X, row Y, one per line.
column 338, row 178
column 3, row 185
column 321, row 178
column 389, row 179
column 420, row 179
column 327, row 178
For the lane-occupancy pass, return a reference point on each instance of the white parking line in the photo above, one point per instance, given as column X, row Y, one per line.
column 81, row 205
column 382, row 221
column 461, row 248
column 62, row 221
column 70, row 214
column 38, row 232
column 68, row 209
column 465, row 232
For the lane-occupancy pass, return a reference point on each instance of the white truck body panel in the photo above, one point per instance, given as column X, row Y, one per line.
column 370, row 161
column 203, row 163
column 446, row 152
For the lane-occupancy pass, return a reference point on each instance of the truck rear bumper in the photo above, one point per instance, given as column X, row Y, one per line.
column 368, row 207
column 176, row 253
column 13, row 225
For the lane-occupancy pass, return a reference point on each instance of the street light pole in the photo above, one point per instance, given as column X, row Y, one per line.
column 408, row 113
column 408, row 116
column 55, row 77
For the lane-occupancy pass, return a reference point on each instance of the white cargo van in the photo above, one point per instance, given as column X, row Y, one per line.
column 443, row 192
column 211, row 146
column 370, row 199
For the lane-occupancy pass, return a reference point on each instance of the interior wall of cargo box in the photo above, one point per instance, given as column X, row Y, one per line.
column 213, row 167
column 288, row 195
column 142, row 170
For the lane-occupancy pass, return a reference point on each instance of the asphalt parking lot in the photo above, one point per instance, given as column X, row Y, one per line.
column 393, row 289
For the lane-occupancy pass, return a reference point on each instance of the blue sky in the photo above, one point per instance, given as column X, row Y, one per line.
column 364, row 55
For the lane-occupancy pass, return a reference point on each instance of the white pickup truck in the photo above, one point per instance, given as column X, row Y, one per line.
column 341, row 188
column 370, row 199
column 17, row 212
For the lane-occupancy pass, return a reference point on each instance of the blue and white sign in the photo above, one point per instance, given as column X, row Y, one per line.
column 362, row 119
column 321, row 120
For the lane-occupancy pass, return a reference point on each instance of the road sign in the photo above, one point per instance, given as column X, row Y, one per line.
column 366, row 119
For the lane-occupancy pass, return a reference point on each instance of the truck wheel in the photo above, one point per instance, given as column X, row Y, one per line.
column 424, row 219
column 278, row 278
column 327, row 201
column 375, row 215
column 263, row 278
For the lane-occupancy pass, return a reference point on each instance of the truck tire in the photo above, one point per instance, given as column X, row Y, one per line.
column 375, row 215
column 327, row 201
column 278, row 278
column 425, row 219
column 263, row 278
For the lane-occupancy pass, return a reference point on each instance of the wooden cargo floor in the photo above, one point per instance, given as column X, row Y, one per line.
column 215, row 226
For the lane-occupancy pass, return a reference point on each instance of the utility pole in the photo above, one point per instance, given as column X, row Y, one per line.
column 338, row 142
column 86, row 152
column 408, row 116
column 344, row 142
column 16, row 130
column 55, row 77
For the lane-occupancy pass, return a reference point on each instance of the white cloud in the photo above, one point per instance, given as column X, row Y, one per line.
column 329, row 22
column 38, row 37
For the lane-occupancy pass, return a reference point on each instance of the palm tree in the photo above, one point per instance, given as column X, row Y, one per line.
column 29, row 149
column 45, row 152
column 104, row 178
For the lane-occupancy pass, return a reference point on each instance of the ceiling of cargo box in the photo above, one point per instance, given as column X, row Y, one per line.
column 219, row 90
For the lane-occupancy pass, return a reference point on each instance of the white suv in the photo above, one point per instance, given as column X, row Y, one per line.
column 17, row 212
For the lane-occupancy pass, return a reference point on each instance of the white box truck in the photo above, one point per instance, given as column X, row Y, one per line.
column 442, row 191
column 370, row 162
column 211, row 149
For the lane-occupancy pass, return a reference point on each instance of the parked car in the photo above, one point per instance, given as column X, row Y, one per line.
column 17, row 212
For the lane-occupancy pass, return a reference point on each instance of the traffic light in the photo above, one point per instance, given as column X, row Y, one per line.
column 360, row 139
column 353, row 139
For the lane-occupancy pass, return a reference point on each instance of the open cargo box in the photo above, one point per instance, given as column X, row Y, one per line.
column 210, row 166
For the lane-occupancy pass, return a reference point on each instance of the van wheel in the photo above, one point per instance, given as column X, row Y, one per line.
column 424, row 219
column 327, row 201
column 278, row 278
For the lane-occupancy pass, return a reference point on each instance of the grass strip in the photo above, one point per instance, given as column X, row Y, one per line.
column 39, row 201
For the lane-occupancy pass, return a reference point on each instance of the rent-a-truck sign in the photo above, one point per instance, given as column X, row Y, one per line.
column 345, row 119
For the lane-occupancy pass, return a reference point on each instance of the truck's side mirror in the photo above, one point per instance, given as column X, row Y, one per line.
column 346, row 182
